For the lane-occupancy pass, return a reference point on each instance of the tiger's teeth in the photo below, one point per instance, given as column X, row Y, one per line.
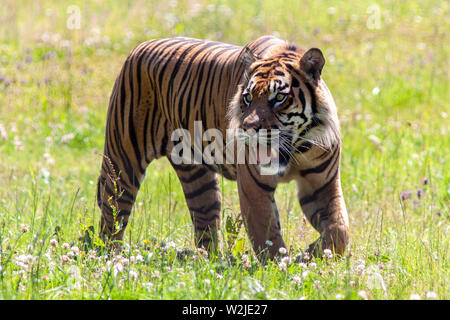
column 266, row 158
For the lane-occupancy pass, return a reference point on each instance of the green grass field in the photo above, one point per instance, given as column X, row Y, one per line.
column 388, row 69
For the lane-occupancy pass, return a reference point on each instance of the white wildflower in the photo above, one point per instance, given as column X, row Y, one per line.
column 133, row 275
column 283, row 266
column 287, row 260
column 363, row 295
column 375, row 91
column 148, row 285
column 155, row 274
column 327, row 253
column 91, row 254
column 67, row 137
column 316, row 284
column 75, row 250
column 171, row 244
column 246, row 261
column 53, row 242
column 118, row 268
column 125, row 261
column 431, row 295
column 297, row 280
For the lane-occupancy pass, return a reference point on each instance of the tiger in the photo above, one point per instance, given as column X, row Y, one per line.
column 172, row 83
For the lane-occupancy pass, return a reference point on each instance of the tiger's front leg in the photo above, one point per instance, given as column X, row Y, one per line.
column 259, row 211
column 203, row 198
column 322, row 201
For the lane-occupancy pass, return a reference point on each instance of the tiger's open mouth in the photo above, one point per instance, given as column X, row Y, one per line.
column 265, row 155
column 274, row 162
column 268, row 152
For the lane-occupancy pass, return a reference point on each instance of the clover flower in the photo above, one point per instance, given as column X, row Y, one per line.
column 139, row 258
column 65, row 259
column 53, row 242
column 327, row 253
column 283, row 266
column 287, row 260
column 316, row 284
column 118, row 268
column 246, row 261
column 133, row 275
column 339, row 296
column 75, row 250
column 363, row 295
column 297, row 280
column 125, row 261
column 431, row 295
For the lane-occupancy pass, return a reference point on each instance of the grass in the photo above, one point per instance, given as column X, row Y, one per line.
column 390, row 82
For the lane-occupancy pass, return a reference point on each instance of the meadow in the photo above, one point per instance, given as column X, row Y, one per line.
column 388, row 70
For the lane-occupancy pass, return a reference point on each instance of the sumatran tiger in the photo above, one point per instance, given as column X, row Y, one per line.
column 168, row 84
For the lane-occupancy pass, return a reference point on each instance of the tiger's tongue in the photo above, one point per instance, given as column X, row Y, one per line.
column 264, row 157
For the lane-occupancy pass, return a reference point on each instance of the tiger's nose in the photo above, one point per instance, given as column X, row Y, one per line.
column 251, row 126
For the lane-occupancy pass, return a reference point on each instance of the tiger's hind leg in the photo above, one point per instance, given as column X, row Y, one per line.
column 202, row 193
column 116, row 194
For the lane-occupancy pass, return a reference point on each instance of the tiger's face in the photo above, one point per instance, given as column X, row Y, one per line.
column 284, row 97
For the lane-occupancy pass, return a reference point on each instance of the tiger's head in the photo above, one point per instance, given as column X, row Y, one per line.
column 284, row 90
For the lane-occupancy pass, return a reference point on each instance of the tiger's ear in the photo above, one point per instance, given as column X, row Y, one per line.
column 249, row 57
column 312, row 63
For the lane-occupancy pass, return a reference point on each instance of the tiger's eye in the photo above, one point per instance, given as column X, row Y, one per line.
column 280, row 97
column 248, row 98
